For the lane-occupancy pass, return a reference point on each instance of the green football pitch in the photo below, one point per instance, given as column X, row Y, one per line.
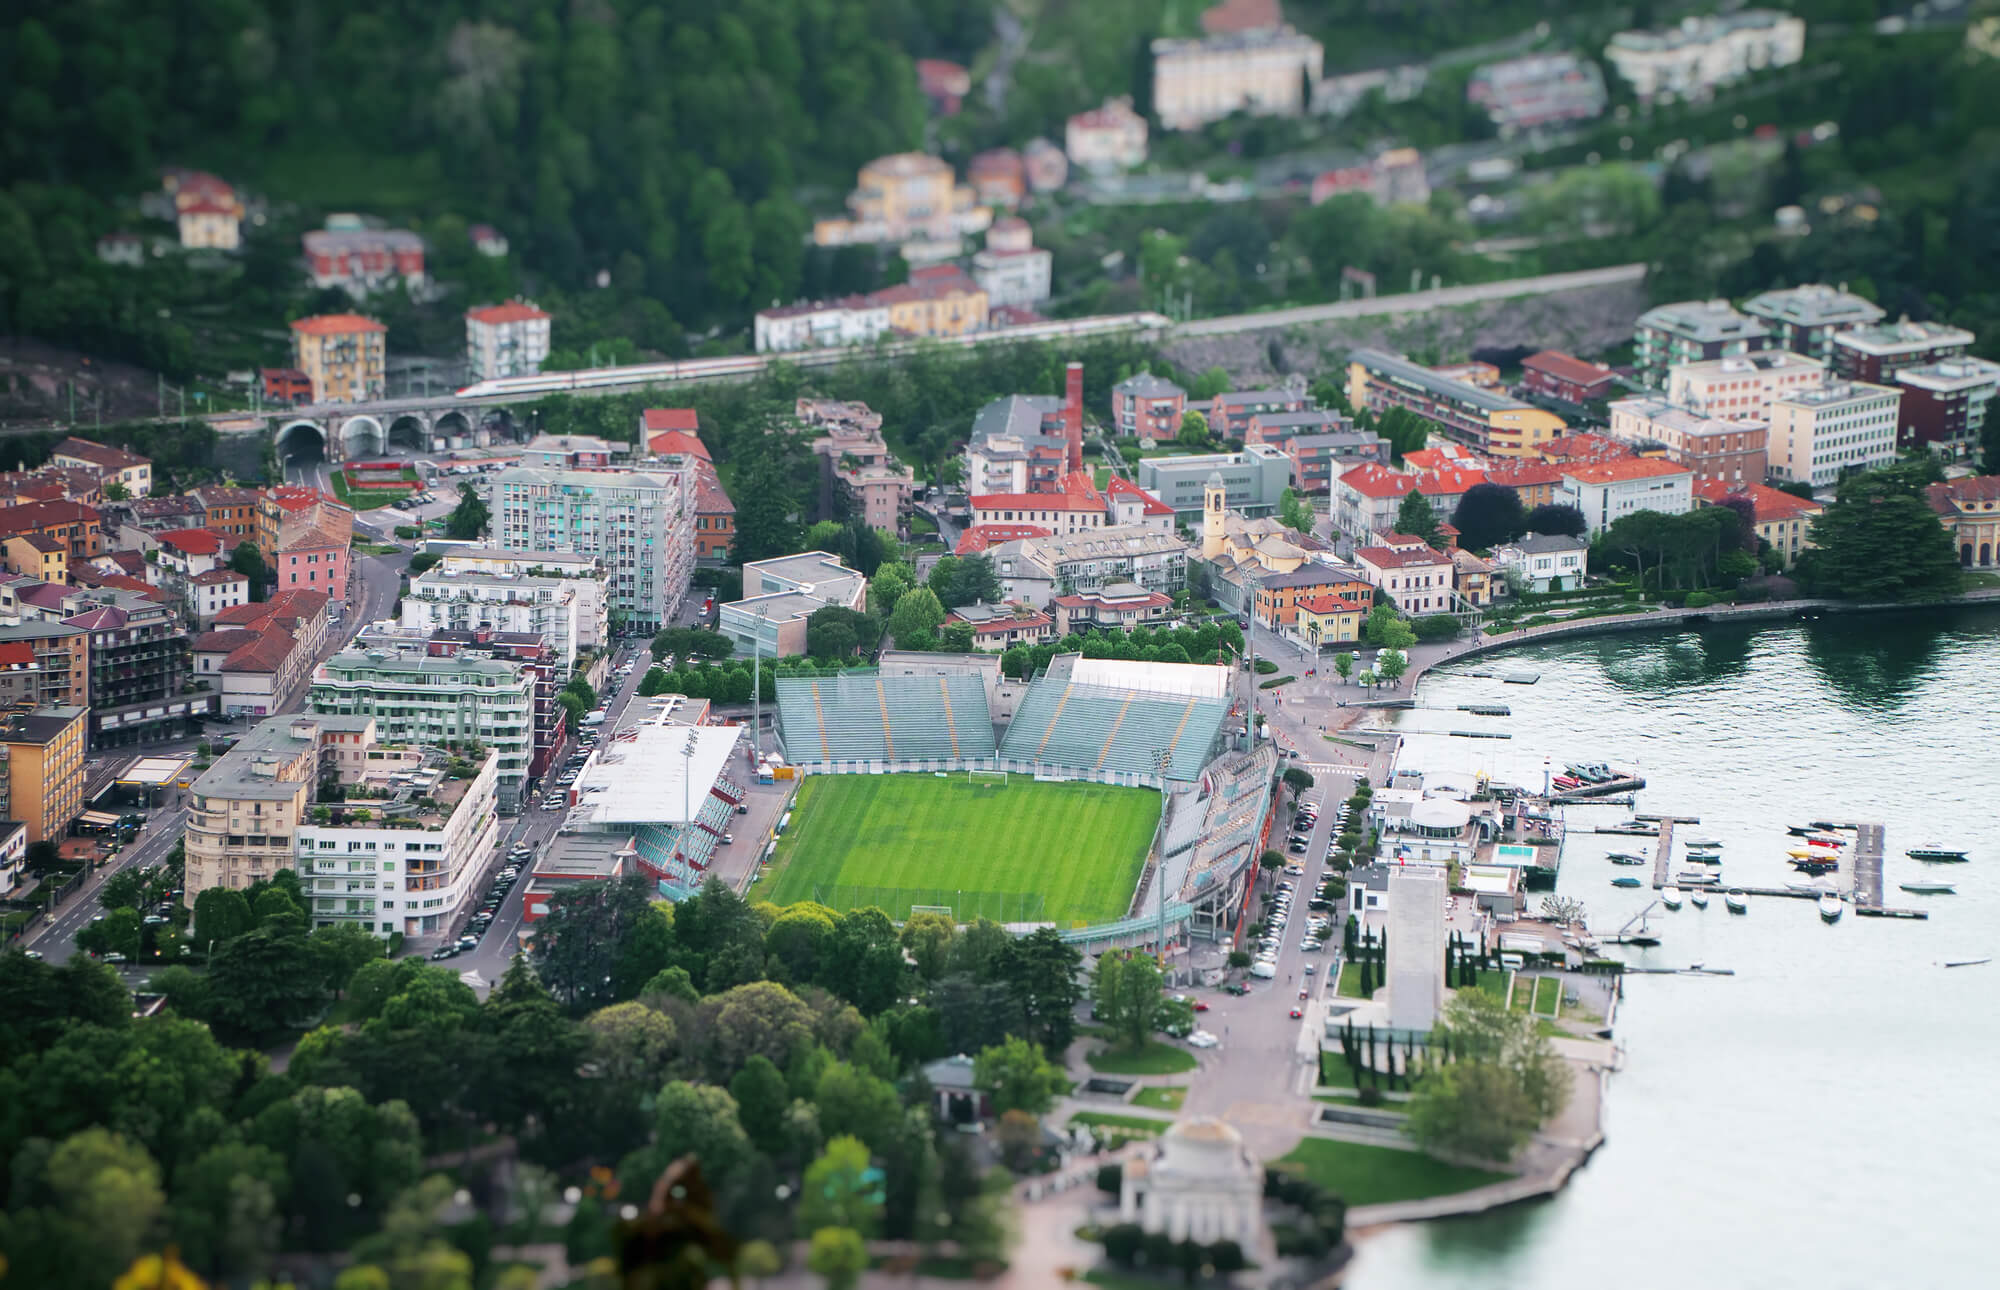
column 1020, row 852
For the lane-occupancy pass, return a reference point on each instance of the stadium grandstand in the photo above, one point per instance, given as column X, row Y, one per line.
column 1118, row 722
column 1105, row 720
column 863, row 721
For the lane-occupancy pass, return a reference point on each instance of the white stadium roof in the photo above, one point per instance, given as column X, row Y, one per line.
column 1194, row 680
column 645, row 775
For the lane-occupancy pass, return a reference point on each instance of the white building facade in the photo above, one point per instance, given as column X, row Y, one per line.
column 1819, row 435
column 638, row 526
column 1742, row 386
column 1415, row 953
column 497, row 602
column 816, row 324
column 1608, row 491
column 1693, row 59
column 506, row 340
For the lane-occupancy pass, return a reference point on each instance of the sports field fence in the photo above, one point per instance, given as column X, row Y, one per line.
column 964, row 906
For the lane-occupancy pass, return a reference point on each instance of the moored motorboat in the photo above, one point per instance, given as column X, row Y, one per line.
column 1701, row 841
column 1737, row 900
column 1670, row 897
column 1698, row 898
column 1831, row 907
column 1929, row 888
column 1801, row 830
column 1626, row 882
column 1952, row 962
column 1825, row 840
column 1931, row 851
column 1566, row 782
column 1697, row 878
column 1626, row 857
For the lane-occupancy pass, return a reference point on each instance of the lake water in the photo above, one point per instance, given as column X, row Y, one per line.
column 1826, row 1117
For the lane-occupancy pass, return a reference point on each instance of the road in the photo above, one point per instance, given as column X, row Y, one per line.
column 55, row 940
column 1416, row 301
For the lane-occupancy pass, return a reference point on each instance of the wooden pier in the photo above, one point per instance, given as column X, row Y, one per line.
column 1486, row 709
column 1663, row 855
column 1623, row 784
column 1480, row 734
column 1655, row 819
column 1867, row 866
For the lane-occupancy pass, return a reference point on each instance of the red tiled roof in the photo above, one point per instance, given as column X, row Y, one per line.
column 670, row 419
column 1945, row 497
column 1613, row 472
column 1372, row 479
column 1241, row 15
column 679, row 441
column 193, row 541
column 1565, row 367
column 1324, row 604
column 216, row 577
column 1525, row 475
column 512, row 311
column 1771, row 504
column 268, row 652
column 1150, row 505
column 42, row 542
column 1442, row 459
column 336, row 325
column 1452, row 481
column 710, row 497
column 1384, row 558
column 97, row 454
column 41, row 515
column 1583, row 447
column 1037, row 502
column 981, row 536
column 221, row 641
column 16, row 654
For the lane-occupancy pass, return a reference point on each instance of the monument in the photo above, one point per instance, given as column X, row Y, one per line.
column 1201, row 1184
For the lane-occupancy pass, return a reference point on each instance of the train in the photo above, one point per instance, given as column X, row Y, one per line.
column 700, row 369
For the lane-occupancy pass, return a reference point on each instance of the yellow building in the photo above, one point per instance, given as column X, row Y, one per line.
column 41, row 768
column 1330, row 620
column 37, row 555
column 909, row 195
column 345, row 356
column 1487, row 421
column 938, row 301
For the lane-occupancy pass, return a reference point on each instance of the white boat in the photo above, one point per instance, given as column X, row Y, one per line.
column 1698, row 898
column 1933, row 851
column 1831, row 907
column 1738, row 901
column 1670, row 897
column 1702, row 841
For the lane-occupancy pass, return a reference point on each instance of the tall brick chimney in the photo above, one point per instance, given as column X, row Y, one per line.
column 1073, row 415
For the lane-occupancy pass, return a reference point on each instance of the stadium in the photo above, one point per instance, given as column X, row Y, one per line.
column 1119, row 802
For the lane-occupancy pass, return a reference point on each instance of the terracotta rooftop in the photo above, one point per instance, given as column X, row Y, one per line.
column 512, row 311
column 1614, row 472
column 670, row 419
column 1383, row 557
column 1771, row 504
column 1371, row 479
column 979, row 537
column 193, row 541
column 336, row 325
column 1566, row 367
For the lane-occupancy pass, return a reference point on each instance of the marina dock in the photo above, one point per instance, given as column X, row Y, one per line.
column 1663, row 855
column 1623, row 784
column 1867, row 867
column 1863, row 873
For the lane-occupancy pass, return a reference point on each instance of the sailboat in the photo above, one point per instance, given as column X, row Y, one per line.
column 1737, row 899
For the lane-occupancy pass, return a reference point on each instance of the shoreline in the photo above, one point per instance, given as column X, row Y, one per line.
column 1679, row 620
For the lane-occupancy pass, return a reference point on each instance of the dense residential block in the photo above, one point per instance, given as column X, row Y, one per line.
column 1945, row 404
column 41, row 768
column 1806, row 319
column 1486, row 421
column 1818, row 435
column 638, row 524
column 1877, row 353
column 344, row 356
column 1692, row 331
column 1702, row 54
column 1731, row 453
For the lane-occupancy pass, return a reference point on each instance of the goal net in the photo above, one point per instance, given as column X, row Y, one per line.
column 992, row 778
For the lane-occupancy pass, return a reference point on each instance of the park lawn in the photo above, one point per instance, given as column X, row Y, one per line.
column 1365, row 1175
column 1494, row 982
column 1022, row 852
column 1548, row 995
column 1350, row 982
column 1167, row 1098
column 1155, row 1058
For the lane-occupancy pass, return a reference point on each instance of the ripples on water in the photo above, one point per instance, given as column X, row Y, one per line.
column 1824, row 1118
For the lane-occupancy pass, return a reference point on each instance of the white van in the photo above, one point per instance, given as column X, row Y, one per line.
column 1264, row 969
column 1512, row 962
column 595, row 718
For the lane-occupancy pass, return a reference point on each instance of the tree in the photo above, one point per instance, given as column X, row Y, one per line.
column 841, row 1190
column 467, row 521
column 916, row 618
column 341, row 949
column 225, row 1214
column 698, row 1120
column 1406, row 432
column 888, row 585
column 261, row 984
column 1488, row 515
column 762, row 1100
column 1417, row 518
column 1194, row 429
column 1553, row 519
column 1295, row 513
column 1127, row 991
column 928, row 937
column 964, row 580
column 101, row 1197
column 631, row 1043
column 1343, row 663
column 1039, row 971
column 1018, row 1076
column 246, row 561
column 1298, row 779
column 578, row 945
column 1880, row 540
column 838, row 1255
column 758, row 1018
column 766, row 507
column 1505, row 1081
column 1392, row 663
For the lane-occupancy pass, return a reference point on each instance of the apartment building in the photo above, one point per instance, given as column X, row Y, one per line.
column 554, row 609
column 1264, row 71
column 1487, row 421
column 41, row 768
column 345, row 356
column 1108, row 138
column 1537, row 90
column 1415, row 577
column 128, row 470
column 528, row 651
column 1565, row 377
column 453, row 701
column 138, row 667
column 1742, row 387
column 78, row 527
column 1148, row 408
column 583, row 574
column 1692, row 331
column 361, row 260
column 1365, row 499
column 229, row 511
column 1608, row 491
column 1945, row 405
column 506, row 340
column 1702, row 54
column 49, row 663
column 638, row 524
column 903, row 197
column 1805, row 319
column 1033, row 571
column 1732, row 454
column 1877, row 353
column 1012, row 270
column 1821, row 434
